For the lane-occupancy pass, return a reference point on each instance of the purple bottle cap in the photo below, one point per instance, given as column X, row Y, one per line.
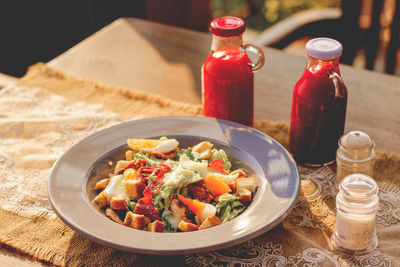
column 324, row 48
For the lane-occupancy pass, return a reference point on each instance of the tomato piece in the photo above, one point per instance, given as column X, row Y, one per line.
column 218, row 165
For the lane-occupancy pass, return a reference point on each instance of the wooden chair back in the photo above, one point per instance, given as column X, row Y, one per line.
column 348, row 26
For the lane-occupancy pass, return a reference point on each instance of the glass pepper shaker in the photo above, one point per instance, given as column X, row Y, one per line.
column 356, row 154
column 356, row 205
column 228, row 73
column 318, row 106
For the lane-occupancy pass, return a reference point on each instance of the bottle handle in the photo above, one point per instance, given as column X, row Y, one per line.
column 337, row 80
column 260, row 56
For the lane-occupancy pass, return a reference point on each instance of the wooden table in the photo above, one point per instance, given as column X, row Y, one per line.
column 165, row 60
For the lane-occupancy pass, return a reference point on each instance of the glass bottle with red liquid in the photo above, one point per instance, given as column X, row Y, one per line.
column 319, row 105
column 228, row 73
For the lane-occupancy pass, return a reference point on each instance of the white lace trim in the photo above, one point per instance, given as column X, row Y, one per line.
column 270, row 254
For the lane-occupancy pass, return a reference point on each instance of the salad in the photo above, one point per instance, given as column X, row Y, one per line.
column 160, row 187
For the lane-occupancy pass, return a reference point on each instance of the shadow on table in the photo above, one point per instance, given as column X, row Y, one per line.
column 178, row 45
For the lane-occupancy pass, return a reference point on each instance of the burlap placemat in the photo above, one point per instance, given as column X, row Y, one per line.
column 47, row 112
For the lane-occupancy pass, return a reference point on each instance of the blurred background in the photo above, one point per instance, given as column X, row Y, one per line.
column 38, row 31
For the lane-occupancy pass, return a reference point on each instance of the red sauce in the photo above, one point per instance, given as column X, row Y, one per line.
column 228, row 87
column 317, row 118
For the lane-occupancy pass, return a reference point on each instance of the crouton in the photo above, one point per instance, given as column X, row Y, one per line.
column 118, row 203
column 249, row 183
column 113, row 216
column 101, row 199
column 245, row 187
column 244, row 195
column 210, row 222
column 129, row 155
column 203, row 150
column 135, row 220
column 102, row 183
column 187, row 227
column 134, row 189
column 130, row 174
column 155, row 226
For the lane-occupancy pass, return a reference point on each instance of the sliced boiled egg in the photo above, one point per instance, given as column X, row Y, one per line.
column 115, row 187
column 150, row 145
column 208, row 211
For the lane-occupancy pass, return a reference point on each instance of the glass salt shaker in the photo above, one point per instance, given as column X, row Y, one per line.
column 356, row 154
column 356, row 203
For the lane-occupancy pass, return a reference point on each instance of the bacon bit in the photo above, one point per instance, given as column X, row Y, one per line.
column 136, row 164
column 164, row 167
column 145, row 172
column 167, row 155
column 218, row 165
column 146, row 207
column 200, row 192
column 155, row 186
column 232, row 186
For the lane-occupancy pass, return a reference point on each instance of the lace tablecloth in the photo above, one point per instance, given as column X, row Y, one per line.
column 47, row 112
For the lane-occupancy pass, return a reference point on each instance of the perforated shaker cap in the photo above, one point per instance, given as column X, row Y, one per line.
column 356, row 145
column 324, row 48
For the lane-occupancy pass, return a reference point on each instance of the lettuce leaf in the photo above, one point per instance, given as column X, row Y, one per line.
column 229, row 207
column 181, row 177
column 151, row 161
column 167, row 226
column 161, row 200
column 188, row 152
column 130, row 204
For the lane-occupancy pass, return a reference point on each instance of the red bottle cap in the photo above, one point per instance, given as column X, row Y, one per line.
column 227, row 26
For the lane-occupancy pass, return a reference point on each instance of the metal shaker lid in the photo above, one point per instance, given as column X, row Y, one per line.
column 356, row 145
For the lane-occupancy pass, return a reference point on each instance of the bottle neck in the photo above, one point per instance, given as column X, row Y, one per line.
column 232, row 44
column 318, row 66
